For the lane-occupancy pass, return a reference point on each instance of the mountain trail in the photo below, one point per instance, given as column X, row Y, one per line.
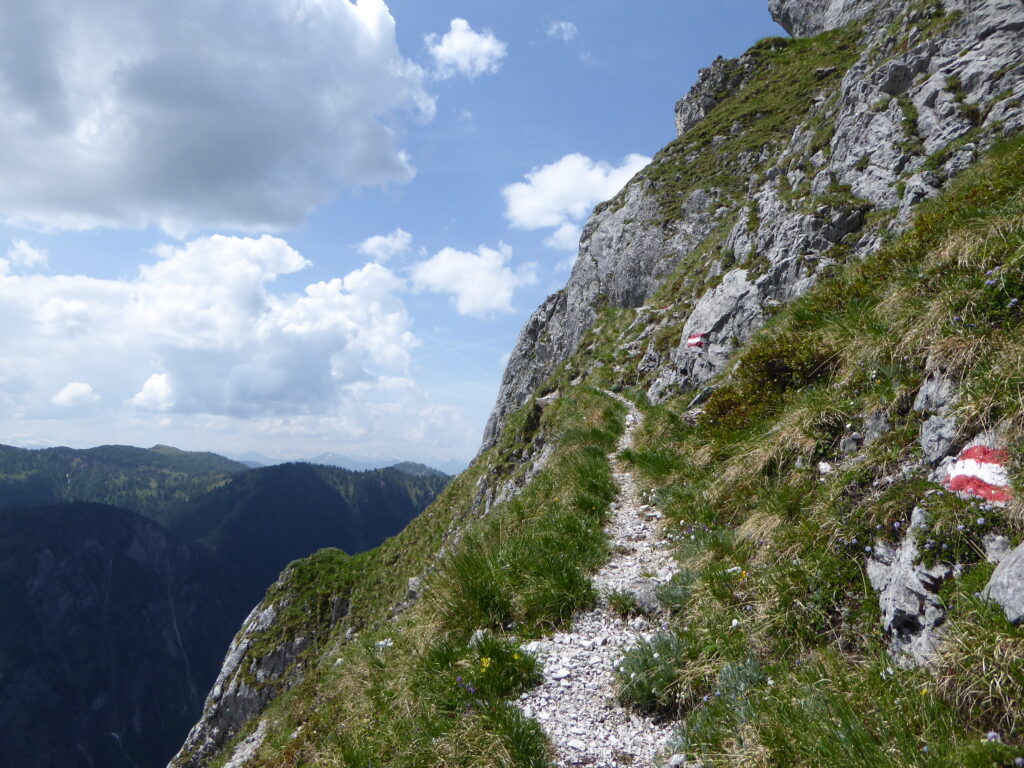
column 576, row 703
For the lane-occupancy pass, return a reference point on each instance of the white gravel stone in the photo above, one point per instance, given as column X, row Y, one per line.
column 577, row 697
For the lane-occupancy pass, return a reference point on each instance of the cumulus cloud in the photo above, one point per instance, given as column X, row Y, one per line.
column 480, row 283
column 462, row 51
column 564, row 30
column 75, row 393
column 561, row 195
column 200, row 331
column 22, row 254
column 380, row 248
column 155, row 395
column 195, row 115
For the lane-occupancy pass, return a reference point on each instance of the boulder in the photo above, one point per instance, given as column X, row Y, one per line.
column 908, row 594
column 1006, row 586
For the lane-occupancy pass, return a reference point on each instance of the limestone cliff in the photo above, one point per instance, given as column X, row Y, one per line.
column 925, row 87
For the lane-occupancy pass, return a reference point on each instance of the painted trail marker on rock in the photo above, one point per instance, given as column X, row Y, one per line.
column 981, row 471
column 696, row 340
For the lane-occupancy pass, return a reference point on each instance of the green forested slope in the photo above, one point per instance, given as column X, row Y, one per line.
column 157, row 482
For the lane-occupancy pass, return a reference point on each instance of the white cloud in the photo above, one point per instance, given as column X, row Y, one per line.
column 382, row 247
column 561, row 195
column 480, row 283
column 156, row 394
column 565, row 30
column 197, row 115
column 465, row 52
column 22, row 254
column 565, row 238
column 75, row 393
column 199, row 331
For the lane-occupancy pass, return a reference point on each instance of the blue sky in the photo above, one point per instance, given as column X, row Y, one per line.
column 298, row 226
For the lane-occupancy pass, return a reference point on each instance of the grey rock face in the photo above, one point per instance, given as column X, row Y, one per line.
column 627, row 251
column 623, row 258
column 802, row 18
column 876, row 424
column 937, row 395
column 996, row 548
column 937, row 436
column 722, row 77
column 908, row 595
column 938, row 392
column 1006, row 586
column 245, row 685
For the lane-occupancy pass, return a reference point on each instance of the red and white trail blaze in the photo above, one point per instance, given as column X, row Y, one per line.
column 696, row 340
column 981, row 471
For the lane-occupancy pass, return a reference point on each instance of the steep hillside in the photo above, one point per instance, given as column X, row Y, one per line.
column 99, row 609
column 803, row 323
column 260, row 521
column 157, row 482
column 112, row 628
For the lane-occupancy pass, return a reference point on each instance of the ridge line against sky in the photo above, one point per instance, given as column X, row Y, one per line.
column 306, row 226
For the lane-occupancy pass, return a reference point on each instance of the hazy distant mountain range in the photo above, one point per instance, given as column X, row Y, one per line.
column 357, row 463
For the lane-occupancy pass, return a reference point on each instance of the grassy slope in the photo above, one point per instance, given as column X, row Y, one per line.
column 803, row 678
column 427, row 696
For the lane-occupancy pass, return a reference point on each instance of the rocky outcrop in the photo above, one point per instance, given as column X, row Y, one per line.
column 908, row 594
column 265, row 657
column 623, row 258
column 1006, row 586
column 714, row 83
column 934, row 85
column 803, row 18
column 246, row 684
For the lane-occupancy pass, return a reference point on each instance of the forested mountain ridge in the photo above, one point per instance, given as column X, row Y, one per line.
column 262, row 520
column 155, row 482
column 112, row 627
column 803, row 321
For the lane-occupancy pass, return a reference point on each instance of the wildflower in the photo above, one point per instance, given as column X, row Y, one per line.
column 735, row 623
column 924, row 691
column 990, row 283
column 515, row 656
column 960, row 527
column 981, row 521
column 992, row 736
column 868, row 549
column 485, row 662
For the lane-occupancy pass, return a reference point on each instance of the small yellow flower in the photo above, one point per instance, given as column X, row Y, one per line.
column 924, row 691
column 743, row 575
column 485, row 662
column 515, row 656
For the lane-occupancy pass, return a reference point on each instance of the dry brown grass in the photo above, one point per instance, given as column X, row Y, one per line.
column 980, row 671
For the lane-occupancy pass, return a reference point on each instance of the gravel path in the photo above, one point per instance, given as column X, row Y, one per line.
column 576, row 703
